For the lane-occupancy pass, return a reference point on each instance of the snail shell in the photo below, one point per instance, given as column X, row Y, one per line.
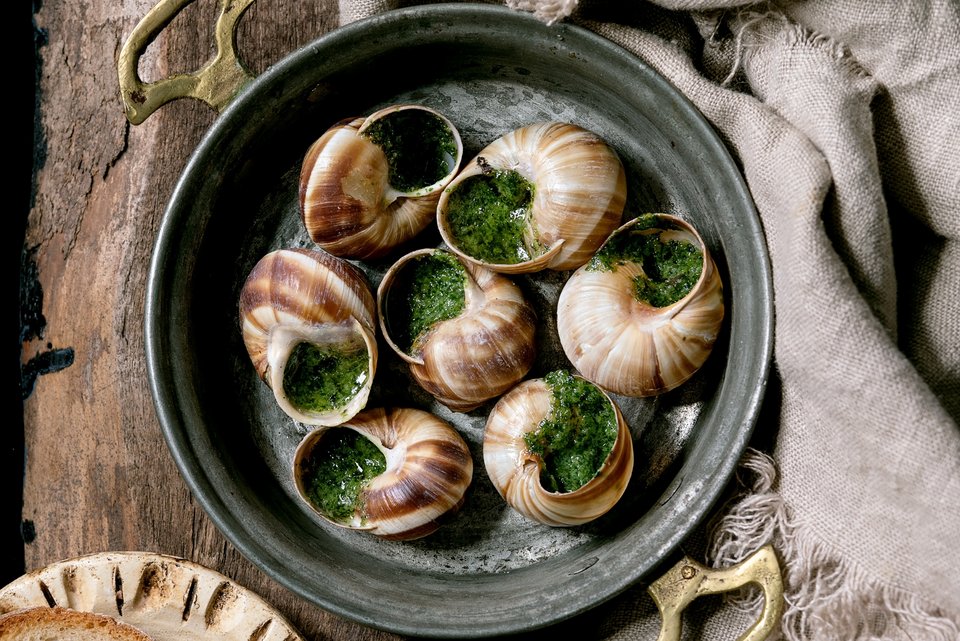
column 515, row 471
column 579, row 191
column 475, row 356
column 626, row 345
column 347, row 202
column 297, row 296
column 428, row 471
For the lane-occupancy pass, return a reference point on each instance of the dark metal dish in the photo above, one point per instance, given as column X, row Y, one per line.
column 488, row 571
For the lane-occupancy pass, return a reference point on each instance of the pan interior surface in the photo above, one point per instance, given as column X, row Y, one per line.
column 488, row 571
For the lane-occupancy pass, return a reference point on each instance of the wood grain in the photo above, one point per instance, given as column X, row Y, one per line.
column 98, row 474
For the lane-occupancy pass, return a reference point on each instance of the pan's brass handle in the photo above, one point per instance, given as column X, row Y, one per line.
column 687, row 580
column 216, row 83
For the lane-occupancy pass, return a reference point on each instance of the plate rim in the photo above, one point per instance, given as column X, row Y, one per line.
column 27, row 591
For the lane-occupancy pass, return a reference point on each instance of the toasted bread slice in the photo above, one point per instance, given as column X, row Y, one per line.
column 62, row 624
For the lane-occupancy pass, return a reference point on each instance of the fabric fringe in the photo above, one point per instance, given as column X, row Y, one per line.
column 827, row 599
column 550, row 11
column 798, row 35
column 747, row 21
column 753, row 28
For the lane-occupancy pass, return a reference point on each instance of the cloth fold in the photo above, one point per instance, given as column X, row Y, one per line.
column 843, row 116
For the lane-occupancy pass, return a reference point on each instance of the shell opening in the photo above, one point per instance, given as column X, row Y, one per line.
column 576, row 436
column 424, row 289
column 422, row 148
column 488, row 217
column 670, row 259
column 322, row 375
column 320, row 378
column 332, row 470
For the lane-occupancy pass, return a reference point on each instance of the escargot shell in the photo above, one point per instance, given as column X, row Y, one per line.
column 474, row 356
column 515, row 470
column 348, row 202
column 626, row 345
column 578, row 194
column 304, row 297
column 428, row 471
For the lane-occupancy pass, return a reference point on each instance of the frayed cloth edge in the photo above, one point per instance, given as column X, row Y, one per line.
column 827, row 598
column 549, row 11
column 798, row 35
column 752, row 30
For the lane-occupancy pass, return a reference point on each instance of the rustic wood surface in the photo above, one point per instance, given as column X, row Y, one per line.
column 98, row 475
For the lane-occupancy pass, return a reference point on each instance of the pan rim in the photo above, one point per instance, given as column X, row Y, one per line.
column 157, row 320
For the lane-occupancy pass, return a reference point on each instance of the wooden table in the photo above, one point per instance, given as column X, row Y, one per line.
column 98, row 475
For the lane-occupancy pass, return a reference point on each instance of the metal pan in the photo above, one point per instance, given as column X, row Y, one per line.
column 488, row 572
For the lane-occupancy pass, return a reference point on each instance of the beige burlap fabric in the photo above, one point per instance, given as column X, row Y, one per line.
column 845, row 116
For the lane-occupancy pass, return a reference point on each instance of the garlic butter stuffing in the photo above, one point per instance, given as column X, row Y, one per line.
column 558, row 450
column 321, row 379
column 488, row 217
column 340, row 465
column 433, row 290
column 671, row 265
column 576, row 437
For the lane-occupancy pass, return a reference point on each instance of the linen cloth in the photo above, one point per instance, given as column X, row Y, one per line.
column 845, row 118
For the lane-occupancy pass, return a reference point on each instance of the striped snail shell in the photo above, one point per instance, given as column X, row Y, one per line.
column 548, row 193
column 307, row 320
column 516, row 471
column 470, row 356
column 370, row 184
column 427, row 468
column 626, row 344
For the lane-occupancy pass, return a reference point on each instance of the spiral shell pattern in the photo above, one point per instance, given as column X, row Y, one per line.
column 304, row 295
column 628, row 346
column 476, row 356
column 515, row 471
column 429, row 469
column 579, row 192
column 347, row 204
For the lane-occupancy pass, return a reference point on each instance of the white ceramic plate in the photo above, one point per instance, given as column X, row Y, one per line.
column 170, row 599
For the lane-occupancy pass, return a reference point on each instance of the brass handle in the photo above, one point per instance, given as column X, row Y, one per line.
column 687, row 580
column 216, row 83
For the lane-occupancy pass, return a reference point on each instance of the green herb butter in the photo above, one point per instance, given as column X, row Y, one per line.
column 420, row 147
column 577, row 435
column 321, row 379
column 428, row 290
column 338, row 468
column 488, row 217
column 670, row 268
